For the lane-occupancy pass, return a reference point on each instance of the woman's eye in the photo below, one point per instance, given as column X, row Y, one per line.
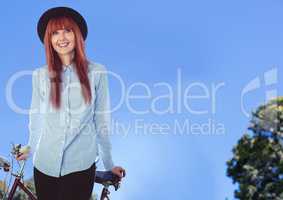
column 55, row 33
column 68, row 30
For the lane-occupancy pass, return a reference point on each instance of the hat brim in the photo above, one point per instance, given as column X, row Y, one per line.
column 60, row 11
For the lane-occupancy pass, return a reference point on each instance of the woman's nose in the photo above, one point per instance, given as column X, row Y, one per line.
column 62, row 36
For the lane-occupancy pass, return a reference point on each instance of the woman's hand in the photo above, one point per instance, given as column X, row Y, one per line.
column 23, row 154
column 119, row 171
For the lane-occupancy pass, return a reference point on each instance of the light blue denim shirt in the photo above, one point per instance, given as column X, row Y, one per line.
column 71, row 138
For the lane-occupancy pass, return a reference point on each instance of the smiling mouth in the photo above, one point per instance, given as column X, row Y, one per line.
column 63, row 45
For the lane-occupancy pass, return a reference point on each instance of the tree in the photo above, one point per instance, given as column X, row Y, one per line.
column 257, row 162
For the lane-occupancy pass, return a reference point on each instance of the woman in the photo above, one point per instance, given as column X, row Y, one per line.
column 69, row 115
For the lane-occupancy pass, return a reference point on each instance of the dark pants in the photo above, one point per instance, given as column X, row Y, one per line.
column 74, row 186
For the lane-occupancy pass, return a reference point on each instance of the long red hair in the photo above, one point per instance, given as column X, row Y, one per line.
column 55, row 66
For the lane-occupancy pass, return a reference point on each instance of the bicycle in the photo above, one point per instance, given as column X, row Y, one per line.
column 105, row 178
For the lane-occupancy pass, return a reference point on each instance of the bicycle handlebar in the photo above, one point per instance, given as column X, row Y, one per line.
column 107, row 178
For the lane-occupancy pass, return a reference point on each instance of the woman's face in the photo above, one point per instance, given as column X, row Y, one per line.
column 63, row 41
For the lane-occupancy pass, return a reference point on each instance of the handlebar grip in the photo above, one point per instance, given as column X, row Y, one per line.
column 102, row 177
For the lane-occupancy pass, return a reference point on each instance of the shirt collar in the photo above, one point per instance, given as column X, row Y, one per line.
column 68, row 67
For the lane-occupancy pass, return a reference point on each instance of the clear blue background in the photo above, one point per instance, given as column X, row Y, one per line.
column 146, row 41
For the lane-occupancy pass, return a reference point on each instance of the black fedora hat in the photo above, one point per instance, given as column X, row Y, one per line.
column 57, row 12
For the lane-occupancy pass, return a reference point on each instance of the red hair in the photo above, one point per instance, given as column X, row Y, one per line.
column 54, row 63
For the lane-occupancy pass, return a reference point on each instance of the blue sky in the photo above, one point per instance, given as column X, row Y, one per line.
column 210, row 43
